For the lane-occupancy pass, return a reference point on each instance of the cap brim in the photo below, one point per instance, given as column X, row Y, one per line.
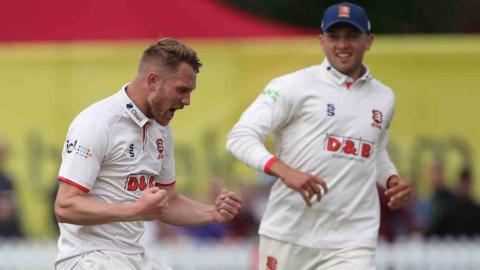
column 340, row 20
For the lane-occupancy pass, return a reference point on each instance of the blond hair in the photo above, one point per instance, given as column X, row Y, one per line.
column 171, row 53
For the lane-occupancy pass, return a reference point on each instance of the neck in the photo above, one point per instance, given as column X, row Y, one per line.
column 138, row 94
column 358, row 73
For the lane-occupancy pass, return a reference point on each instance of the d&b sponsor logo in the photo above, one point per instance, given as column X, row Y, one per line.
column 139, row 182
column 349, row 146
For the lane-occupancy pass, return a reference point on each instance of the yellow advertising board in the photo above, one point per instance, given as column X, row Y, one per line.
column 44, row 86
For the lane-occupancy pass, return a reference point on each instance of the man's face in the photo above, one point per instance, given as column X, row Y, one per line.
column 344, row 46
column 171, row 93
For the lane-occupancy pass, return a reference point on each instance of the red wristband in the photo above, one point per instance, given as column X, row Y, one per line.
column 269, row 164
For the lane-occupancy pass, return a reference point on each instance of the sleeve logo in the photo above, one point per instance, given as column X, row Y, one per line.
column 72, row 146
column 272, row 93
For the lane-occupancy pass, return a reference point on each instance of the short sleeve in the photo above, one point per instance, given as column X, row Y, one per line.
column 83, row 152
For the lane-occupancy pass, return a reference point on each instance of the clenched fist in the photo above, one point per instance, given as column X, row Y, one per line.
column 152, row 203
column 227, row 206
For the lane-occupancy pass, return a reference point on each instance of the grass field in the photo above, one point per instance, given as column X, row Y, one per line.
column 45, row 85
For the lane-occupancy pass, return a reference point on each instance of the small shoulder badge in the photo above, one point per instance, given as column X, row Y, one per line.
column 272, row 93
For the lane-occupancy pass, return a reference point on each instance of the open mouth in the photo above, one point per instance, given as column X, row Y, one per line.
column 171, row 112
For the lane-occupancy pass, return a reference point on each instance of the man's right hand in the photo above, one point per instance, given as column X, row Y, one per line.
column 306, row 184
column 153, row 202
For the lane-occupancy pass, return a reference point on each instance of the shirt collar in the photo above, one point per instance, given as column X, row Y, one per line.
column 130, row 108
column 341, row 78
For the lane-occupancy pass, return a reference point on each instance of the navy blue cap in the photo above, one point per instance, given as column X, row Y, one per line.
column 346, row 13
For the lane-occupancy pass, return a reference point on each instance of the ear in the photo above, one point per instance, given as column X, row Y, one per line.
column 320, row 38
column 370, row 39
column 152, row 79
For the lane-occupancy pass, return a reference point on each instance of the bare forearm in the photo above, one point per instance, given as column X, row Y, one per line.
column 186, row 212
column 279, row 169
column 306, row 184
column 87, row 211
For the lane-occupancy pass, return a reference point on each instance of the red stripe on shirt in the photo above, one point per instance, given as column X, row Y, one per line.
column 166, row 185
column 144, row 135
column 70, row 182
column 269, row 164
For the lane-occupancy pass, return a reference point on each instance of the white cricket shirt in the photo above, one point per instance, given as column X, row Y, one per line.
column 113, row 152
column 327, row 126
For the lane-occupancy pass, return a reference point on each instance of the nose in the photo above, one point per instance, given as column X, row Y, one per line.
column 186, row 99
column 342, row 42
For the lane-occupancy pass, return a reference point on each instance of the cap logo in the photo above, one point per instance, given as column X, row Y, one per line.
column 343, row 11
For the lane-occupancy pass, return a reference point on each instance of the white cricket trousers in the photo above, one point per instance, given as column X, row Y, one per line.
column 106, row 260
column 279, row 255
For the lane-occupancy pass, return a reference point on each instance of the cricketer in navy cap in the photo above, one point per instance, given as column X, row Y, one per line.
column 346, row 12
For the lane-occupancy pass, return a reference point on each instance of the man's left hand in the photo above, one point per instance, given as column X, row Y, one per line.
column 398, row 191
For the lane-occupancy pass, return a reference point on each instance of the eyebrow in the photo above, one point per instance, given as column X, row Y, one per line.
column 185, row 88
